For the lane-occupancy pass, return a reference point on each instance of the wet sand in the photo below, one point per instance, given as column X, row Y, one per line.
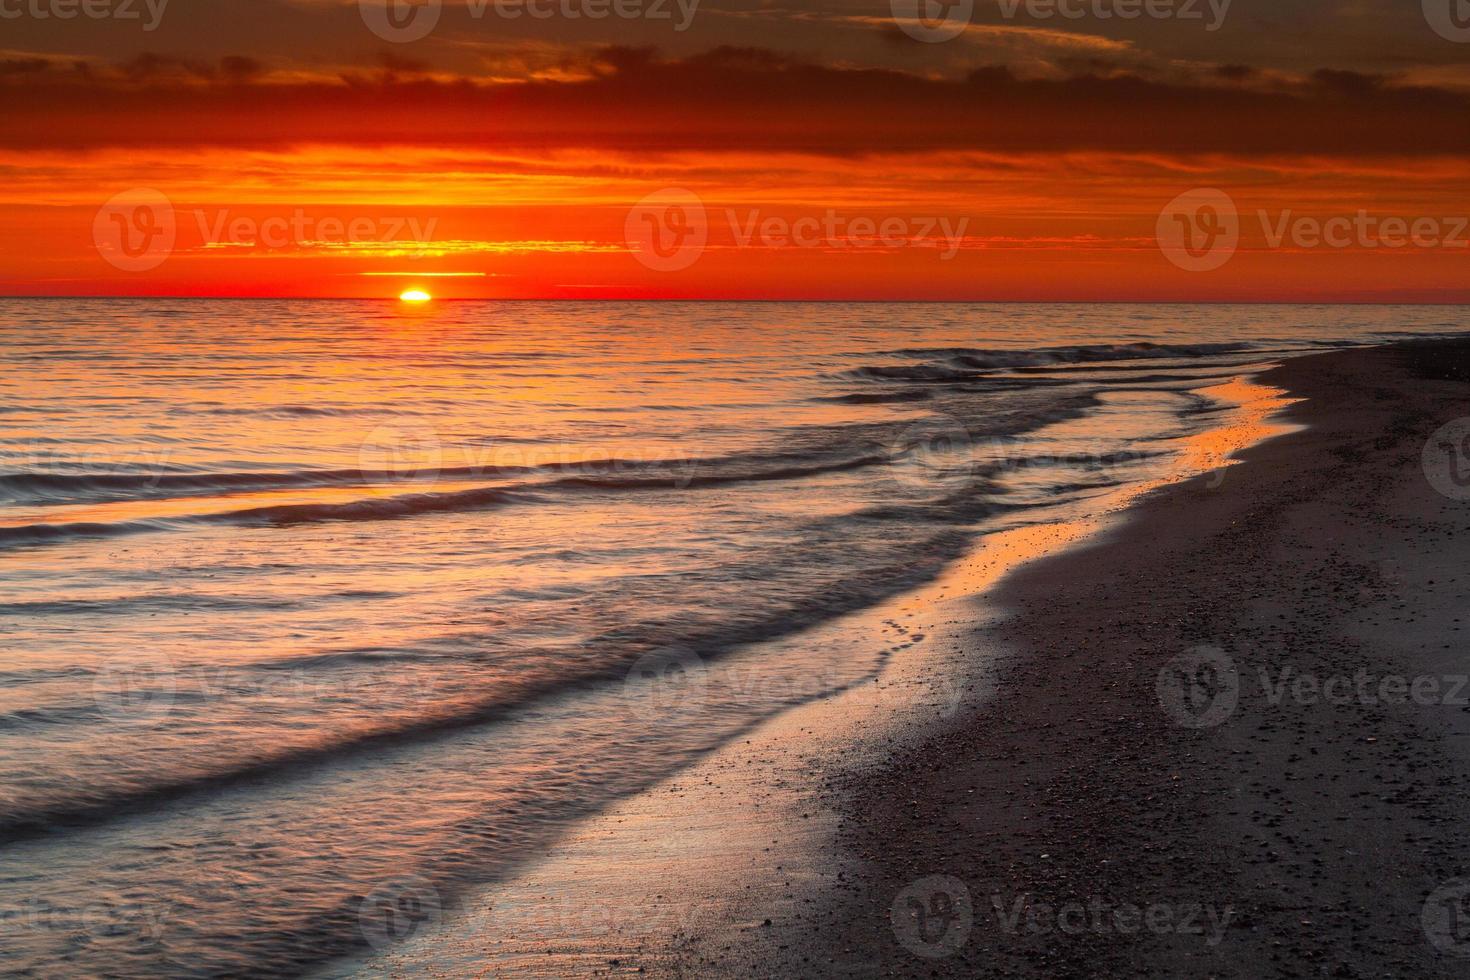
column 1228, row 738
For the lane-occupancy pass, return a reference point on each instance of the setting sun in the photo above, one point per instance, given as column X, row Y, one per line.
column 414, row 296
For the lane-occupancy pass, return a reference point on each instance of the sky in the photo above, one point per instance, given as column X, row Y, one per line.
column 1145, row 150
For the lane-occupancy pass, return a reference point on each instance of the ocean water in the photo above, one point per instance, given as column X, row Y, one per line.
column 316, row 614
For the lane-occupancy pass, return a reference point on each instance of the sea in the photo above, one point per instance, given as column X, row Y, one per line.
column 316, row 613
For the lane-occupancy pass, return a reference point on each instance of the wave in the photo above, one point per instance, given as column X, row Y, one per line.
column 1223, row 364
column 284, row 515
column 65, row 488
column 678, row 476
column 188, row 602
column 289, row 412
column 877, row 398
column 870, row 445
column 648, row 476
column 51, row 489
column 602, row 659
column 914, row 372
column 948, row 365
column 1076, row 354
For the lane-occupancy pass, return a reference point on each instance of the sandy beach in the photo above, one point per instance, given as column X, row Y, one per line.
column 1289, row 808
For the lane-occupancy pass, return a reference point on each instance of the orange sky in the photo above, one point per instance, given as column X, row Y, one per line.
column 1019, row 162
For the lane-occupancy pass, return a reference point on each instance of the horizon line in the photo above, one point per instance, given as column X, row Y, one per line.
column 825, row 301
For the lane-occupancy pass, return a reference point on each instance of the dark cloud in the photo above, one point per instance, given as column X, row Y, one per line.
column 23, row 66
column 239, row 68
column 615, row 59
column 1096, row 66
column 739, row 99
column 893, row 36
column 1236, row 73
column 1350, row 83
column 152, row 67
column 399, row 64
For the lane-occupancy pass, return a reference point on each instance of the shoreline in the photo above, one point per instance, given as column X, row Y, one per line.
column 737, row 848
column 1097, row 818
